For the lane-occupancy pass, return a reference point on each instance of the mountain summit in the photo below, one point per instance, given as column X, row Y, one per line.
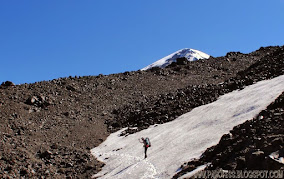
column 190, row 54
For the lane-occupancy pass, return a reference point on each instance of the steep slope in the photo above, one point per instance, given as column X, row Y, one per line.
column 48, row 128
column 248, row 146
column 169, row 106
column 189, row 54
column 186, row 137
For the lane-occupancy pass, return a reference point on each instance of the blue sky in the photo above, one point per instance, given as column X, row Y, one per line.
column 48, row 39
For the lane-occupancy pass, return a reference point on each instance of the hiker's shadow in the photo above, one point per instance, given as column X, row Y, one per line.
column 125, row 168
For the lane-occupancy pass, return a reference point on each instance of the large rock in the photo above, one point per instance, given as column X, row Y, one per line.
column 38, row 101
column 7, row 83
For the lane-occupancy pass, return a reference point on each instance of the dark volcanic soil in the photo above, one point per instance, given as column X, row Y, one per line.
column 48, row 128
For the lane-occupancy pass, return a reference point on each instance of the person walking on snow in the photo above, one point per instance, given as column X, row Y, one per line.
column 146, row 143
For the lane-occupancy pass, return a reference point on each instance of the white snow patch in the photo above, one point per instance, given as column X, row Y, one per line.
column 186, row 137
column 276, row 156
column 198, row 169
column 190, row 54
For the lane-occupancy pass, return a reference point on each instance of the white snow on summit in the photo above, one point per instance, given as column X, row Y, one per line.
column 185, row 138
column 190, row 54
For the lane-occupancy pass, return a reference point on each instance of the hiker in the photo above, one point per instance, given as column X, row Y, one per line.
column 146, row 143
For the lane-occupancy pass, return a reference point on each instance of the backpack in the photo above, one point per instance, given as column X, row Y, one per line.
column 147, row 141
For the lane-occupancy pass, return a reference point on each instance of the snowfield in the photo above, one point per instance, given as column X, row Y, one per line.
column 186, row 137
column 190, row 54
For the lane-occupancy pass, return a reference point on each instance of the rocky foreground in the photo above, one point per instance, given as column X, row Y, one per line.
column 48, row 128
column 248, row 145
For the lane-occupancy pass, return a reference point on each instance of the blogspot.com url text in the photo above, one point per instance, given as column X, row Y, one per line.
column 240, row 174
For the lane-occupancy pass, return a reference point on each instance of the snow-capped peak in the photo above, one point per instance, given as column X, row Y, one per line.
column 190, row 54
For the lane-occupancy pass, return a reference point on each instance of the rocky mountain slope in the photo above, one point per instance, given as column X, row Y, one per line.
column 249, row 145
column 48, row 128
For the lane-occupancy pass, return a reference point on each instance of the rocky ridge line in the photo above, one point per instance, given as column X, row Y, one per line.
column 169, row 106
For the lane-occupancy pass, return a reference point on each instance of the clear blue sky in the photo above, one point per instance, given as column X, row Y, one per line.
column 47, row 39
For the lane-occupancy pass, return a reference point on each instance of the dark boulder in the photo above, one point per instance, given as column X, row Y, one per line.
column 182, row 61
column 7, row 83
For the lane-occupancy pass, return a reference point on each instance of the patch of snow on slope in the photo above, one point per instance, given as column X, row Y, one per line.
column 277, row 157
column 195, row 171
column 186, row 137
column 190, row 54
